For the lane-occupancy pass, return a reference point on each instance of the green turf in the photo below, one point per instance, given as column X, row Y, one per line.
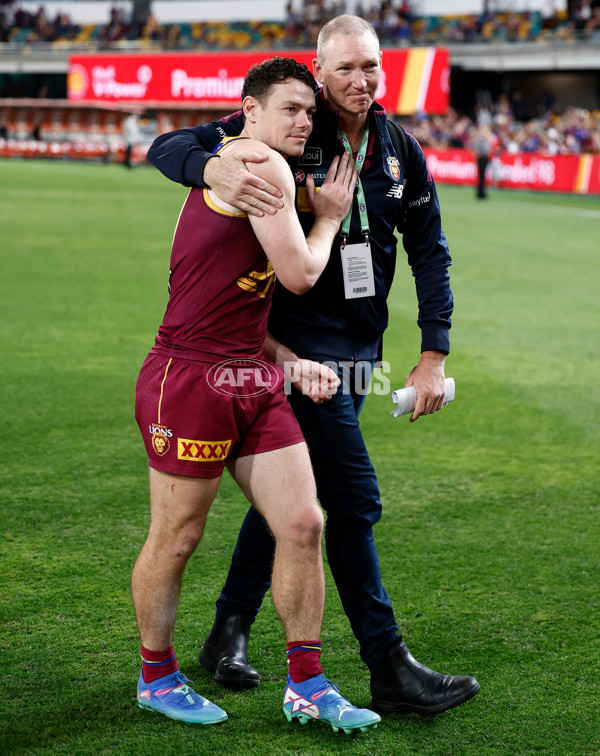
column 490, row 539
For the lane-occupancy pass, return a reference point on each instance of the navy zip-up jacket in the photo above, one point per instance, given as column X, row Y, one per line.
column 322, row 321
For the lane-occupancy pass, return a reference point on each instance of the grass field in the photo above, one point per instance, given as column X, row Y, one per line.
column 490, row 542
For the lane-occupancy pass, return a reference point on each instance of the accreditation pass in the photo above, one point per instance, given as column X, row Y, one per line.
column 357, row 266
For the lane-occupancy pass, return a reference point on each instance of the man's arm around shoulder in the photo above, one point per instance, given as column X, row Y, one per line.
column 182, row 155
column 185, row 156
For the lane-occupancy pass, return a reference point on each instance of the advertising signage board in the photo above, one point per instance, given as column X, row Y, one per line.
column 413, row 80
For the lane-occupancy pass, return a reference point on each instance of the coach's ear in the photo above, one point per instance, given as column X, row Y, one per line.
column 250, row 105
column 318, row 71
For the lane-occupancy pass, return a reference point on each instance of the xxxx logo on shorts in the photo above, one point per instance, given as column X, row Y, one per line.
column 202, row 451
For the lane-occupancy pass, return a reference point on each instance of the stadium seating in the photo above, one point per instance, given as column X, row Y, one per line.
column 297, row 31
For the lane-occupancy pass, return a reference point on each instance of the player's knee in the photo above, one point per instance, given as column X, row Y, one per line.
column 178, row 545
column 306, row 530
column 184, row 546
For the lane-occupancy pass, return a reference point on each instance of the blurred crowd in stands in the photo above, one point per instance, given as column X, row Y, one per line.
column 511, row 126
column 394, row 21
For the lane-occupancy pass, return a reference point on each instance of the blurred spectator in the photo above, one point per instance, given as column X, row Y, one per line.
column 117, row 28
column 592, row 25
column 482, row 144
column 550, row 142
column 132, row 134
column 522, row 110
column 580, row 12
column 36, row 132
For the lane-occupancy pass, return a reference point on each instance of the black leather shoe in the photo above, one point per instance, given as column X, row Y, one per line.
column 225, row 652
column 401, row 683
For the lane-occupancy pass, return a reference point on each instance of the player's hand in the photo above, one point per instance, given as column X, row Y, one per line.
column 229, row 178
column 428, row 380
column 313, row 379
column 334, row 198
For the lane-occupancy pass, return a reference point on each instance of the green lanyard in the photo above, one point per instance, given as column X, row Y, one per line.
column 360, row 195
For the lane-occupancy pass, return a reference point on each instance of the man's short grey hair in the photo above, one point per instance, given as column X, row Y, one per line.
column 345, row 25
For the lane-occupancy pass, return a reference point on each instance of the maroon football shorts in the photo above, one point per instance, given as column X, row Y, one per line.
column 195, row 416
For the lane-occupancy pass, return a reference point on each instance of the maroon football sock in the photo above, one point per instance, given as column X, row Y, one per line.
column 304, row 660
column 156, row 664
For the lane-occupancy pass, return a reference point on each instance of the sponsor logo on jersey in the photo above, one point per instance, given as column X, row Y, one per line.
column 258, row 281
column 421, row 201
column 394, row 166
column 160, row 438
column 311, row 156
column 301, row 200
column 396, row 191
column 191, row 450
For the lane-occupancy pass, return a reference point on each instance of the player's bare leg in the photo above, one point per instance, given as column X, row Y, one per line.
column 179, row 506
column 281, row 485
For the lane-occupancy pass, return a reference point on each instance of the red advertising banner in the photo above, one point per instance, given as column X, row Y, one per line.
column 412, row 80
column 558, row 173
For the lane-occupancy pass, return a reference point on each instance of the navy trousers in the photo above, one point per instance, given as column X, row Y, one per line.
column 348, row 492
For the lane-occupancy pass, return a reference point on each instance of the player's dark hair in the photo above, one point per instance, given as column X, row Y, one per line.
column 262, row 76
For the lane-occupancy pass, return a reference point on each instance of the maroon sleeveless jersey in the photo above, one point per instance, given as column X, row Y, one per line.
column 220, row 286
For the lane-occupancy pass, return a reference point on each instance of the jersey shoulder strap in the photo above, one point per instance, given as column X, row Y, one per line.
column 400, row 141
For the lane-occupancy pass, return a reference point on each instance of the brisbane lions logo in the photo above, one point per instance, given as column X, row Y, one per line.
column 160, row 438
column 394, row 166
